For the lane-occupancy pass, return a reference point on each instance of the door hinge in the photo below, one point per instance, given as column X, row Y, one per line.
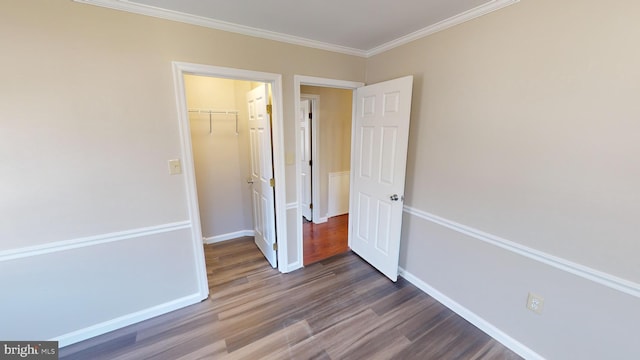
column 311, row 206
column 310, row 116
column 272, row 182
column 275, row 246
column 310, row 163
column 269, row 109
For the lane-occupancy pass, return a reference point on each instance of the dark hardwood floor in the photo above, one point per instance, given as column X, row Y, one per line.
column 339, row 308
column 322, row 241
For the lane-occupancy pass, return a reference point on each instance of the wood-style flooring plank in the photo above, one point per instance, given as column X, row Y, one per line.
column 493, row 350
column 336, row 308
column 278, row 341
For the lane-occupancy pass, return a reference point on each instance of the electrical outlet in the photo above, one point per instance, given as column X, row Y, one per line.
column 535, row 303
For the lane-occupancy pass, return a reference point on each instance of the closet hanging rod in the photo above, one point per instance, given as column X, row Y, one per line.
column 211, row 112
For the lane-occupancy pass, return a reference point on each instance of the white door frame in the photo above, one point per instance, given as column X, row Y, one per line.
column 179, row 70
column 315, row 157
column 323, row 82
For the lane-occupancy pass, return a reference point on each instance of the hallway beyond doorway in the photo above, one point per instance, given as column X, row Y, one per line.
column 322, row 241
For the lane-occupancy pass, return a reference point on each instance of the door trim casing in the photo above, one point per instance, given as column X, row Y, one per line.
column 179, row 70
column 323, row 82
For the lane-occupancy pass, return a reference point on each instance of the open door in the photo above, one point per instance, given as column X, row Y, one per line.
column 381, row 135
column 262, row 173
column 304, row 123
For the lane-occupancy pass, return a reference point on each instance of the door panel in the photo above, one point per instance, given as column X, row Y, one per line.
column 365, row 166
column 262, row 173
column 380, row 155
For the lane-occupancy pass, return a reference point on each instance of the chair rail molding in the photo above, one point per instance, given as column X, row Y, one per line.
column 65, row 245
column 600, row 277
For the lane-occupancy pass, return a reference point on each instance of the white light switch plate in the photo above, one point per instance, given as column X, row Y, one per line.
column 290, row 158
column 175, row 167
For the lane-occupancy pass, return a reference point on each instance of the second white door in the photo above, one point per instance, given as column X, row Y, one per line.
column 304, row 124
column 262, row 173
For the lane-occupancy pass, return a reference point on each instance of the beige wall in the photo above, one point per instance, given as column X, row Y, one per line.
column 220, row 157
column 535, row 125
column 88, row 122
column 524, row 126
column 105, row 82
column 334, row 136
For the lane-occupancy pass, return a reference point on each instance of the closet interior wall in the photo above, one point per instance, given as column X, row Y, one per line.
column 221, row 157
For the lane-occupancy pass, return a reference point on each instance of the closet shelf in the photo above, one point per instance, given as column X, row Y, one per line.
column 212, row 112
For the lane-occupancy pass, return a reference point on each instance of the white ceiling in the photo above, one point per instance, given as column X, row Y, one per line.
column 358, row 27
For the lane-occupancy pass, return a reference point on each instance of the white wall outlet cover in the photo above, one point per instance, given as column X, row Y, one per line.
column 175, row 167
column 535, row 303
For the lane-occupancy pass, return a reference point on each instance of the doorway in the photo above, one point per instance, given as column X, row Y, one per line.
column 231, row 141
column 220, row 145
column 278, row 218
column 328, row 230
column 328, row 138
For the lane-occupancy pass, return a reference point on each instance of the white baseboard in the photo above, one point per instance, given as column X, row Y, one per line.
column 126, row 320
column 473, row 318
column 321, row 220
column 229, row 236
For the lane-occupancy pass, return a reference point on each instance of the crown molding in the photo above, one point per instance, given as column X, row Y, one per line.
column 125, row 5
column 157, row 12
column 442, row 25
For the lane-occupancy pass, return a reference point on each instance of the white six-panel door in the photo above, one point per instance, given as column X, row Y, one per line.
column 381, row 132
column 262, row 173
column 305, row 158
